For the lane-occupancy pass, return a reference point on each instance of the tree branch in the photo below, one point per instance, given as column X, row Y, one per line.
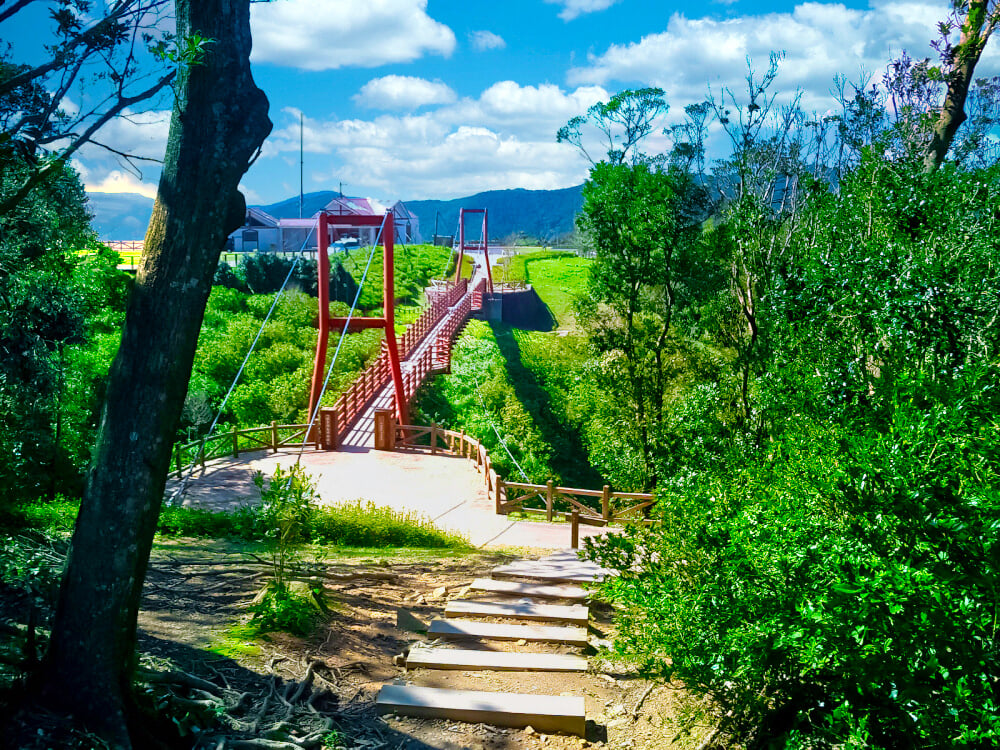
column 57, row 162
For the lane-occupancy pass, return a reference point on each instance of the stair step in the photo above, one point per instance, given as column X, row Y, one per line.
column 498, row 631
column 545, row 713
column 561, row 569
column 499, row 661
column 529, row 589
column 576, row 614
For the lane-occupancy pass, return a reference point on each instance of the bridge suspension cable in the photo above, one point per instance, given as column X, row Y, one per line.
column 340, row 343
column 179, row 492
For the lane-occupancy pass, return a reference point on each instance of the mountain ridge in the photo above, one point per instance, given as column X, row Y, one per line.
column 544, row 215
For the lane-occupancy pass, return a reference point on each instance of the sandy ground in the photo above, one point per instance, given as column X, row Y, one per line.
column 446, row 489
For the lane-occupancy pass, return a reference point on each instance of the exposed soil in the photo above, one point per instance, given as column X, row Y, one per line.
column 196, row 592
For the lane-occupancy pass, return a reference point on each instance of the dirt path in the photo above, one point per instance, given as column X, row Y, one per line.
column 446, row 489
column 190, row 608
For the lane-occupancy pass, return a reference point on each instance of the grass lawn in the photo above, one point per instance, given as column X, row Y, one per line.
column 559, row 282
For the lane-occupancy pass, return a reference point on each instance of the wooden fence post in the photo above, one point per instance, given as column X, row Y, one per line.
column 274, row 437
column 236, row 443
column 434, row 442
column 461, row 444
column 548, row 500
column 499, row 497
column 575, row 529
column 606, row 503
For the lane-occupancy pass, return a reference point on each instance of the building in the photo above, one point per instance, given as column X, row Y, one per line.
column 262, row 232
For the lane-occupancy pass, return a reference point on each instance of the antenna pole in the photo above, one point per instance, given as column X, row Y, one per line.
column 302, row 162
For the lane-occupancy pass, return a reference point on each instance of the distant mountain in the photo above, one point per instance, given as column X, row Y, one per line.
column 120, row 216
column 544, row 214
column 311, row 203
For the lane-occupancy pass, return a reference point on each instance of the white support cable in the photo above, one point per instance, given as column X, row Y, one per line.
column 186, row 480
column 336, row 353
column 499, row 436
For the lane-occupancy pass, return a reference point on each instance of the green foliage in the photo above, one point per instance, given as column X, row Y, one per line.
column 515, row 268
column 281, row 608
column 275, row 382
column 62, row 302
column 357, row 524
column 826, row 570
column 644, row 245
column 287, row 506
column 479, row 397
column 364, row 524
column 415, row 266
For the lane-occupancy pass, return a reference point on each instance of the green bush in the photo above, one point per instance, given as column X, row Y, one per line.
column 828, row 562
column 281, row 608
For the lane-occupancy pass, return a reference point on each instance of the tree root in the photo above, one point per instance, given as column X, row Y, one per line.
column 284, row 715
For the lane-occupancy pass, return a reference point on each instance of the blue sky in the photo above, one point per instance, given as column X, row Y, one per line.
column 442, row 98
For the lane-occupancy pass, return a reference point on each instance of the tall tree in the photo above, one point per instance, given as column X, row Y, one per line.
column 624, row 121
column 219, row 123
column 976, row 20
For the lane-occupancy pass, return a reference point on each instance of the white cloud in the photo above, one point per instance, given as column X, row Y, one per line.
column 573, row 8
column 819, row 40
column 329, row 34
column 142, row 135
column 403, row 92
column 503, row 138
column 121, row 182
column 485, row 40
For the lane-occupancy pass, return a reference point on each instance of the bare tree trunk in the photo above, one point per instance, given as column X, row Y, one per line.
column 977, row 26
column 219, row 122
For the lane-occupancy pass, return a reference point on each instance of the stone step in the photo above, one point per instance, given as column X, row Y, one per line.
column 545, row 713
column 423, row 657
column 541, row 590
column 575, row 613
column 563, row 569
column 499, row 631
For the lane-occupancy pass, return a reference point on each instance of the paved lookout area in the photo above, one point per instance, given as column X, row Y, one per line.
column 445, row 489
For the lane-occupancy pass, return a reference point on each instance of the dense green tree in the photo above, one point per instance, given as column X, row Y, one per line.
column 634, row 217
column 835, row 583
column 59, row 295
column 216, row 130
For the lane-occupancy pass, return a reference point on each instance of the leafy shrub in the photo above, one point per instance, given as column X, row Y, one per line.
column 826, row 570
column 280, row 608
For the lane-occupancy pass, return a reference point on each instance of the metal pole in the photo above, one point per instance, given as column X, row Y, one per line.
column 486, row 251
column 389, row 306
column 461, row 244
column 302, row 163
column 323, row 274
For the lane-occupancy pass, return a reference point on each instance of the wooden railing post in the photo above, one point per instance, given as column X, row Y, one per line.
column 461, row 444
column 574, row 529
column 274, row 437
column 236, row 443
column 548, row 500
column 606, row 503
column 499, row 497
column 434, row 442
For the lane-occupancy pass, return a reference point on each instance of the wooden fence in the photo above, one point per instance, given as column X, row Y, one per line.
column 568, row 503
column 233, row 443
